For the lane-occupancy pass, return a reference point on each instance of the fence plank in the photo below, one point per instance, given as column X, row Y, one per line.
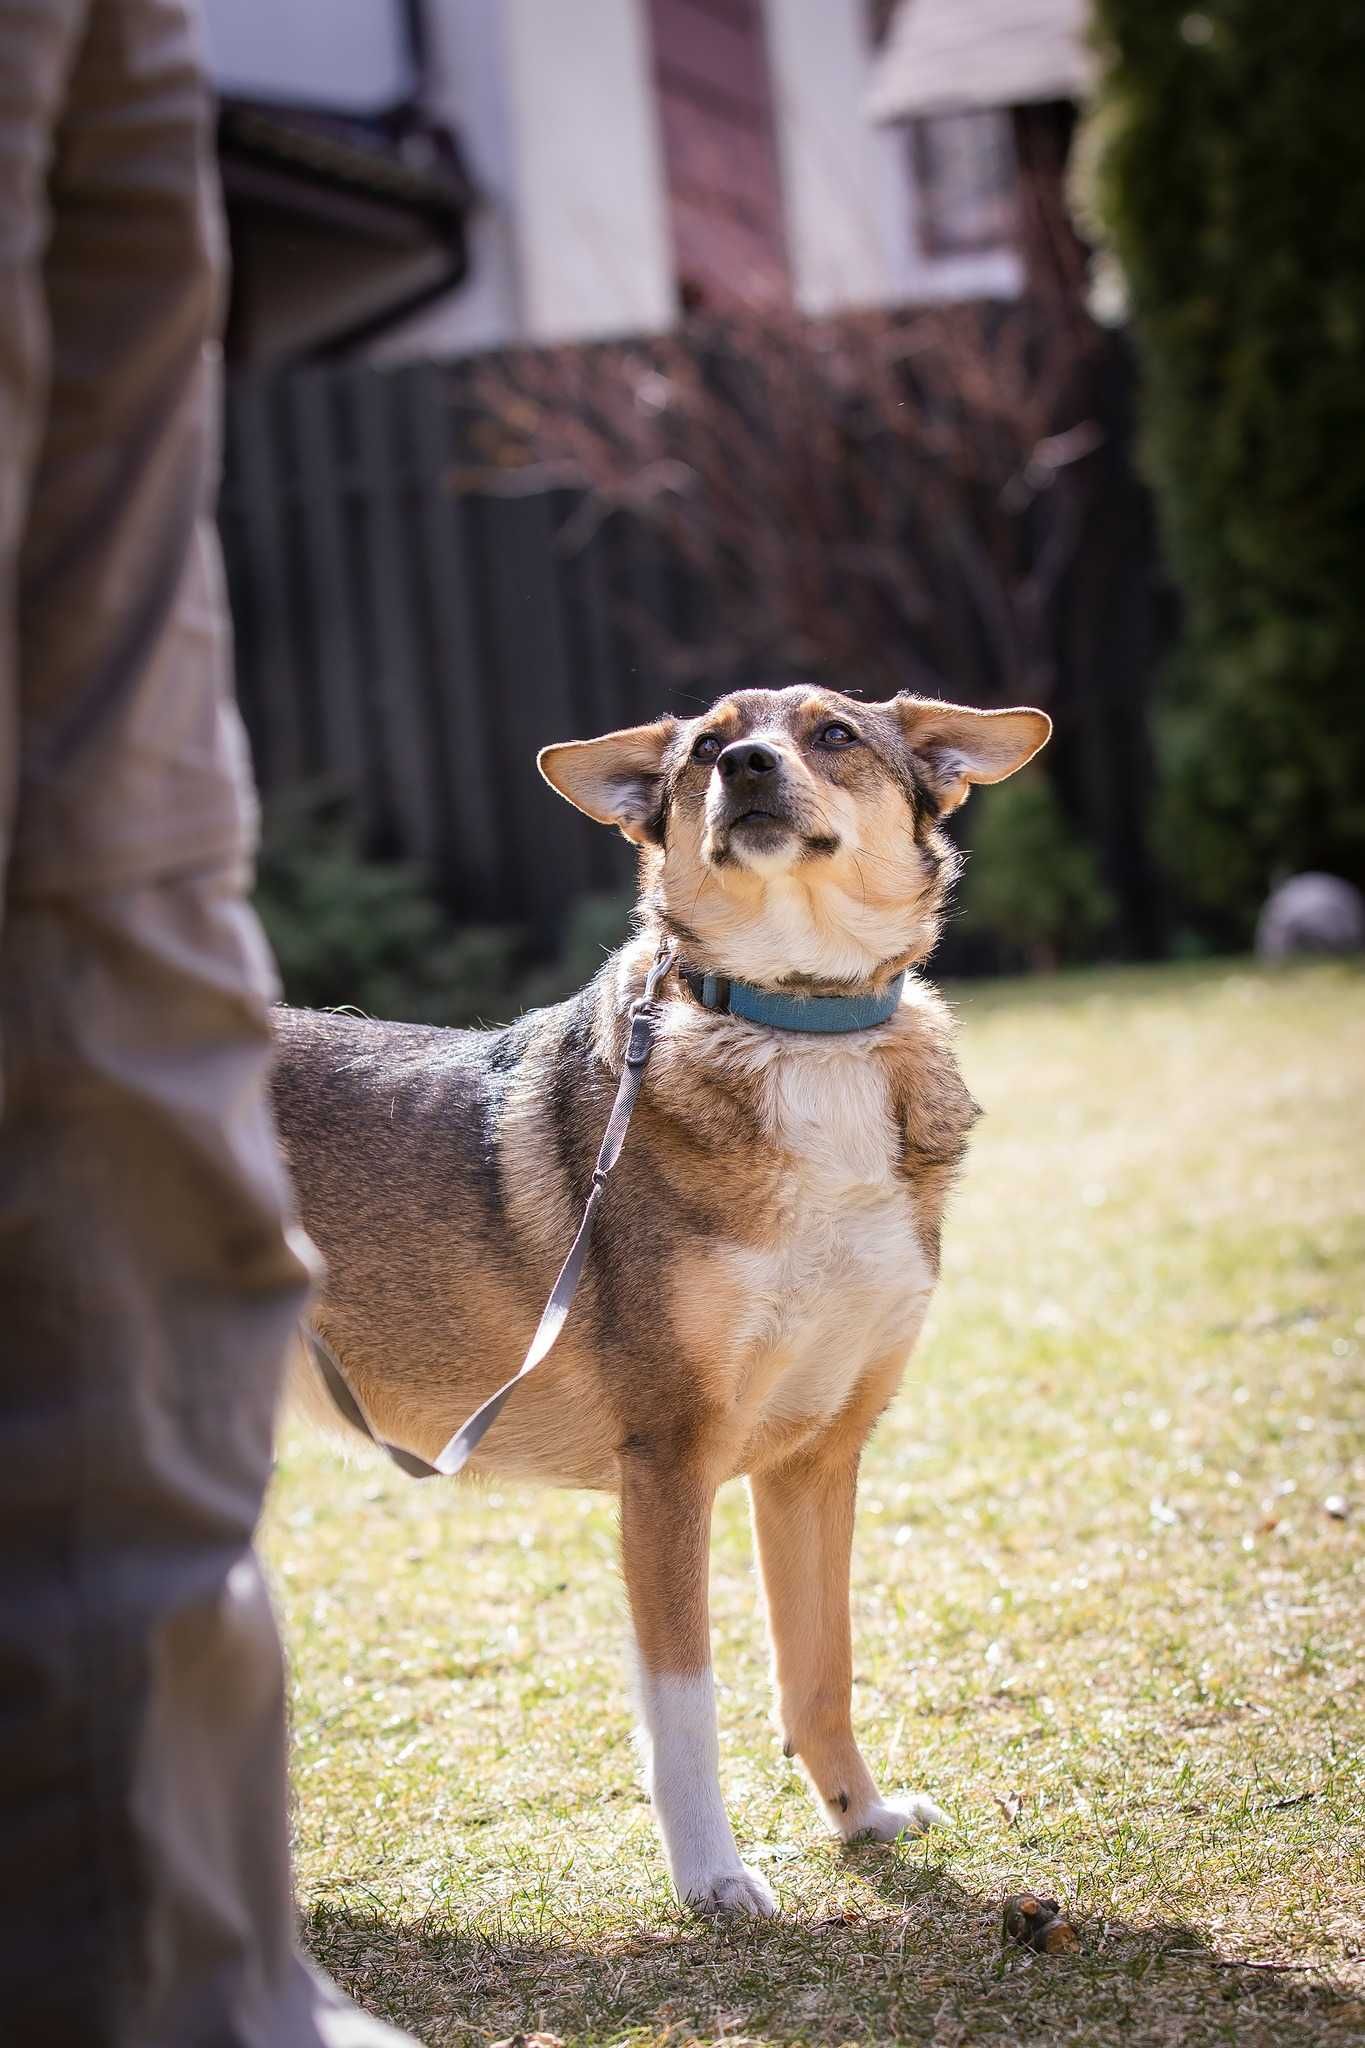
column 593, row 662
column 461, row 730
column 397, row 674
column 342, row 716
column 277, row 733
column 524, row 656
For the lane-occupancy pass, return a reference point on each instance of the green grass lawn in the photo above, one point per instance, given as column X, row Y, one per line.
column 1094, row 1567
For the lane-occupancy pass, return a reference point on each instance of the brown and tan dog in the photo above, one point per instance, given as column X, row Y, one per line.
column 766, row 1249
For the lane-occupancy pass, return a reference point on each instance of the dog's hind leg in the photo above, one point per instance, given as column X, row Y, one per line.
column 665, row 1546
column 803, row 1520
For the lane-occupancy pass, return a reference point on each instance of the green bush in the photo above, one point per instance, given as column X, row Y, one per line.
column 1228, row 147
column 1029, row 882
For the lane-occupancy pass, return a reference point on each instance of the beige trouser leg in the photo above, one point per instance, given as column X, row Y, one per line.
column 148, row 1279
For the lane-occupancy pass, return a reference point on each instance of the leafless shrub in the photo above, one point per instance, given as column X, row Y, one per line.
column 892, row 499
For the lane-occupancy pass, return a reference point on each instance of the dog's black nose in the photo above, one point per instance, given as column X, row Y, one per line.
column 746, row 756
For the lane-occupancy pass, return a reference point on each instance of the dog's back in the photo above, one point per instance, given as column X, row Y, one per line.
column 431, row 1173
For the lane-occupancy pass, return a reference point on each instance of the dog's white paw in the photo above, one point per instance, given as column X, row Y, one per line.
column 738, row 1890
column 912, row 1814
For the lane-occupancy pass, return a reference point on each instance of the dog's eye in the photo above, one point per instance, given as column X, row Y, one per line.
column 837, row 735
column 706, row 748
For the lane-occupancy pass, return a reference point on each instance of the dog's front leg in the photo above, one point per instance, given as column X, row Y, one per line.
column 803, row 1520
column 665, row 1546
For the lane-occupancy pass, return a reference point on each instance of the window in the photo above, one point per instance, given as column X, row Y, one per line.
column 964, row 170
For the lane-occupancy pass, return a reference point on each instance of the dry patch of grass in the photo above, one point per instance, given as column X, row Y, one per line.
column 1094, row 1567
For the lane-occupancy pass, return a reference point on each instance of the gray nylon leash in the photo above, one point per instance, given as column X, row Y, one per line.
column 644, row 1018
column 350, row 1410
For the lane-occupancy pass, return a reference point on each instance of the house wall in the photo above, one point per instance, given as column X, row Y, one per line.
column 471, row 89
column 595, row 255
column 554, row 106
column 274, row 49
column 558, row 108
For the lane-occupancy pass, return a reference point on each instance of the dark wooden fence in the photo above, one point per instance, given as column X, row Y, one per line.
column 405, row 646
column 403, row 649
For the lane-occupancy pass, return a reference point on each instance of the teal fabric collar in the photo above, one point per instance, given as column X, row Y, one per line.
column 795, row 1013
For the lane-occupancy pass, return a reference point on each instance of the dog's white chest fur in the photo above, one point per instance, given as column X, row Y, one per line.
column 845, row 1281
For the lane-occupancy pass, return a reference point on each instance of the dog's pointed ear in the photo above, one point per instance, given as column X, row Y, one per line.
column 957, row 746
column 618, row 779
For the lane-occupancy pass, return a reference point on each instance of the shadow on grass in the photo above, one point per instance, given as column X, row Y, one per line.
column 930, row 1967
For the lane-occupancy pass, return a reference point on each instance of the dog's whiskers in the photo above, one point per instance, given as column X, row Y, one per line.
column 862, row 878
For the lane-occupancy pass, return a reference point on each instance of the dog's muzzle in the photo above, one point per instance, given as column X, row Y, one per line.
column 751, row 791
